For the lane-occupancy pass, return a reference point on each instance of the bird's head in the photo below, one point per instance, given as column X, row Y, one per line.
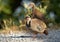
column 28, row 18
column 28, row 21
column 31, row 5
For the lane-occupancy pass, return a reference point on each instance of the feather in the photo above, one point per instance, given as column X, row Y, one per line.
column 37, row 26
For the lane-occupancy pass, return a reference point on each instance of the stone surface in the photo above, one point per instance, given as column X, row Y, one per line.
column 54, row 36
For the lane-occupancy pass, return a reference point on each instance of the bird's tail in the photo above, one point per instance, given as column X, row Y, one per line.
column 45, row 32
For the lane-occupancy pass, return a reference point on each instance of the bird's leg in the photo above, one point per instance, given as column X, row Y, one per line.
column 34, row 36
column 28, row 30
column 41, row 35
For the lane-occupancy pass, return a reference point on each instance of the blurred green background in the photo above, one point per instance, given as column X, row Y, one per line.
column 13, row 12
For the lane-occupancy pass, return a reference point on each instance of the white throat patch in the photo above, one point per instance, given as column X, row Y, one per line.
column 28, row 20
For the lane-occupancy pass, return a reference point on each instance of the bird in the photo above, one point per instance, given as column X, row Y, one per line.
column 36, row 26
column 37, row 13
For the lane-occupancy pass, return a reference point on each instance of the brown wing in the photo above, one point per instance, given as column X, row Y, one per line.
column 41, row 23
column 38, row 25
column 37, row 13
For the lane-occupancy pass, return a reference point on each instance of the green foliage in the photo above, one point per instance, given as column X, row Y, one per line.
column 55, row 6
column 8, row 7
column 4, row 6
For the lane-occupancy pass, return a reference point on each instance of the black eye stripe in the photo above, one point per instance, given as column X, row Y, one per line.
column 28, row 25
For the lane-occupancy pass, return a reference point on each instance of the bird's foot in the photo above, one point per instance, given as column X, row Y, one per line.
column 34, row 36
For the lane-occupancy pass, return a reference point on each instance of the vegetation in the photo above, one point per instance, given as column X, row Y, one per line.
column 13, row 12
